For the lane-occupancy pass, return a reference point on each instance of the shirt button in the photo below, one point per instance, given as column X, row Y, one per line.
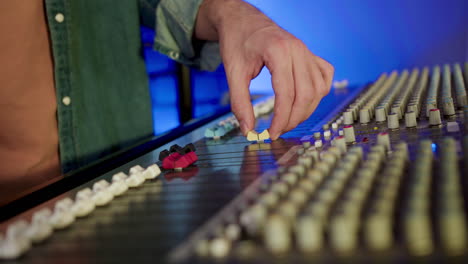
column 66, row 100
column 174, row 55
column 59, row 17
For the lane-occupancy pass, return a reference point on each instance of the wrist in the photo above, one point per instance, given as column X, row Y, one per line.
column 215, row 17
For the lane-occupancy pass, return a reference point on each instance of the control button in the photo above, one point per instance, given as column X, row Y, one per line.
column 136, row 169
column 413, row 107
column 349, row 134
column 378, row 232
column 434, row 117
column 40, row 227
column 410, row 119
column 84, row 204
column 309, row 234
column 277, row 235
column 102, row 194
column 380, row 115
column 396, row 109
column 348, row 117
column 334, row 126
column 393, row 121
column 383, row 139
column 59, row 17
column 264, row 135
column 253, row 219
column 62, row 216
column 219, row 247
column 152, row 172
column 340, row 143
column 418, row 234
column 16, row 242
column 447, row 105
column 317, row 135
column 343, row 233
column 364, row 116
column 318, row 143
column 233, row 232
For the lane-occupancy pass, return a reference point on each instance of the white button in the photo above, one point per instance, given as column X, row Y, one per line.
column 66, row 100
column 59, row 17
column 174, row 55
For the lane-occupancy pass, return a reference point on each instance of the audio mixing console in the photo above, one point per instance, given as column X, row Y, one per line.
column 376, row 174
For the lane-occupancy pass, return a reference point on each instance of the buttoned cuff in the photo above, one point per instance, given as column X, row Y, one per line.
column 175, row 23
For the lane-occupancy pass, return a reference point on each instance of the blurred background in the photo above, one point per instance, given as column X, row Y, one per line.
column 361, row 39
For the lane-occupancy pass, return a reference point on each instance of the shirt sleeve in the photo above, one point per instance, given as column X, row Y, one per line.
column 174, row 25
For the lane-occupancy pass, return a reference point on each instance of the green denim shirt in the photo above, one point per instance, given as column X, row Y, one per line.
column 103, row 102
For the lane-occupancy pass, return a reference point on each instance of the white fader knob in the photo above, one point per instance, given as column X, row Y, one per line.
column 349, row 134
column 348, row 117
column 84, row 203
column 277, row 235
column 63, row 215
column 364, row 116
column 393, row 121
column 383, row 139
column 434, row 117
column 380, row 115
column 118, row 186
column 40, row 227
column 340, row 143
column 410, row 119
column 102, row 193
column 16, row 241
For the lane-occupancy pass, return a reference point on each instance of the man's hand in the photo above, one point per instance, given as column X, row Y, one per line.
column 248, row 41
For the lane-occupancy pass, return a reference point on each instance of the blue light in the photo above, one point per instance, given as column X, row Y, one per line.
column 434, row 147
column 363, row 39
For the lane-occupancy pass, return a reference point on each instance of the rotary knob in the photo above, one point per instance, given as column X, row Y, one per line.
column 380, row 115
column 364, row 116
column 434, row 117
column 348, row 117
column 349, row 134
column 383, row 139
column 393, row 121
column 410, row 119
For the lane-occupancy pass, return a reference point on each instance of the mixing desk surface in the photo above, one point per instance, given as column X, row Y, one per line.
column 376, row 174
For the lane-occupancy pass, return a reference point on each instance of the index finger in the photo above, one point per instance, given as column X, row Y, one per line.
column 283, row 85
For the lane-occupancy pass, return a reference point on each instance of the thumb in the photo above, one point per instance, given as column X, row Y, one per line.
column 240, row 100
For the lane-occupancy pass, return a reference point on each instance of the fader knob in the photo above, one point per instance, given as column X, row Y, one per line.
column 348, row 117
column 413, row 107
column 349, row 134
column 340, row 143
column 396, row 109
column 380, row 115
column 364, row 116
column 449, row 108
column 277, row 235
column 383, row 139
column 434, row 117
column 393, row 121
column 410, row 119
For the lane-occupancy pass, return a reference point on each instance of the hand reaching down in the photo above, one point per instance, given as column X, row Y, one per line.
column 248, row 41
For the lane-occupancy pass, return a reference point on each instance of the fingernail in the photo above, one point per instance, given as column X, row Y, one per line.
column 244, row 127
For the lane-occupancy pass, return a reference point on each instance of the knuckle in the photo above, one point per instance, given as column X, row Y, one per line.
column 330, row 69
column 276, row 47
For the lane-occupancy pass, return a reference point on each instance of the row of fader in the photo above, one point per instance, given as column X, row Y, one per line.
column 20, row 235
column 225, row 126
column 346, row 200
